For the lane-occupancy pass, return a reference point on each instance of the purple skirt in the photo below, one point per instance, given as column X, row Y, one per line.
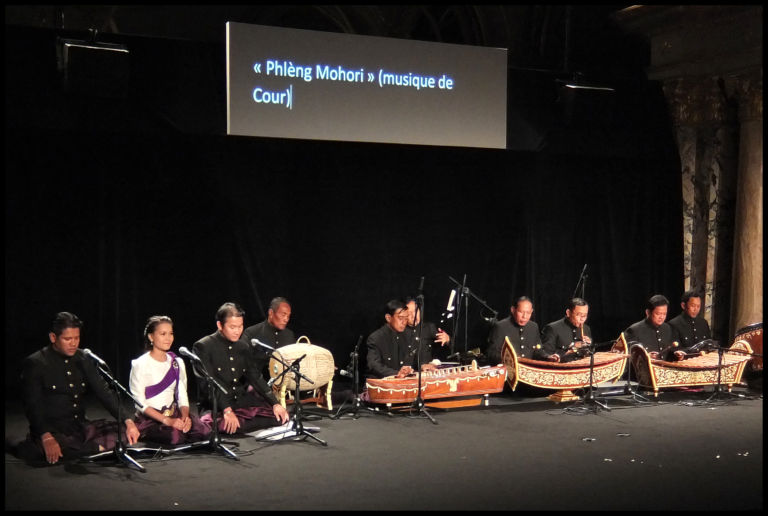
column 250, row 418
column 154, row 431
column 78, row 439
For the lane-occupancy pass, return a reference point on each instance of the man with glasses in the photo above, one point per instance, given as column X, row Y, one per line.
column 390, row 351
column 565, row 337
column 522, row 332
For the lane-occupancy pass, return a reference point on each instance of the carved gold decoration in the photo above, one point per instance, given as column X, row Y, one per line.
column 696, row 371
column 608, row 366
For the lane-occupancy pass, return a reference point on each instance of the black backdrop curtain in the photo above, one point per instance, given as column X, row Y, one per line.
column 116, row 216
column 119, row 227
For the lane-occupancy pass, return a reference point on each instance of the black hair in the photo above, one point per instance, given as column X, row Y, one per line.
column 152, row 323
column 229, row 310
column 688, row 294
column 276, row 302
column 394, row 305
column 576, row 301
column 64, row 320
column 657, row 300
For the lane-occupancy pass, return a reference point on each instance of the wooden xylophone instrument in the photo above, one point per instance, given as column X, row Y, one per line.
column 709, row 361
column 753, row 335
column 465, row 380
column 710, row 369
column 564, row 376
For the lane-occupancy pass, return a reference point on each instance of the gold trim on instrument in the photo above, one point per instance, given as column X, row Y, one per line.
column 608, row 366
column 696, row 371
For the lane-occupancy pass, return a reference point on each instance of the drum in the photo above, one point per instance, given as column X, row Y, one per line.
column 317, row 365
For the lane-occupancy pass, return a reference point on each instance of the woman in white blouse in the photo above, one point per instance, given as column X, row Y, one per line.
column 159, row 384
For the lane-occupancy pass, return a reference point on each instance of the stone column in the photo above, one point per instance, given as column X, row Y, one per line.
column 704, row 122
column 710, row 59
column 747, row 296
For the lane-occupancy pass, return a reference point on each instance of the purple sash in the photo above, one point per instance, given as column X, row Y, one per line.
column 171, row 376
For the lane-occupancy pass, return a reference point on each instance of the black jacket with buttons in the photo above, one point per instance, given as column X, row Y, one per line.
column 688, row 331
column 233, row 366
column 388, row 351
column 557, row 337
column 652, row 338
column 270, row 336
column 53, row 387
column 526, row 340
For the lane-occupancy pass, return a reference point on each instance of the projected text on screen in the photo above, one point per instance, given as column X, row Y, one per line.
column 294, row 83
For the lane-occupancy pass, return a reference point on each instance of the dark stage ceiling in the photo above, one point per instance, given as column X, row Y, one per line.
column 551, row 38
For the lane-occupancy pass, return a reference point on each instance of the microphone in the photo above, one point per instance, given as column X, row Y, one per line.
column 187, row 353
column 344, row 372
column 257, row 342
column 357, row 347
column 421, row 284
column 87, row 352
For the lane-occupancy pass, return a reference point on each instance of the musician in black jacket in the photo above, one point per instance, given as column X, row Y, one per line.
column 272, row 331
column 55, row 381
column 427, row 332
column 688, row 328
column 565, row 338
column 229, row 360
column 390, row 351
column 522, row 332
column 653, row 333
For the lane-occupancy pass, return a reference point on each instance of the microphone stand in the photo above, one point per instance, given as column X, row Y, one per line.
column 215, row 444
column 718, row 389
column 582, row 282
column 418, row 403
column 356, row 401
column 120, row 451
column 628, row 386
column 464, row 291
column 719, row 392
column 297, row 428
column 589, row 397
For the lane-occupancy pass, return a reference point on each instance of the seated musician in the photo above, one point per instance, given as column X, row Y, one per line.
column 427, row 331
column 158, row 381
column 55, row 381
column 522, row 332
column 228, row 359
column 688, row 328
column 566, row 338
column 272, row 331
column 390, row 350
column 653, row 333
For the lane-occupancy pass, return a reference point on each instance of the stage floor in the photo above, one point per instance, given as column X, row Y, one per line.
column 520, row 453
